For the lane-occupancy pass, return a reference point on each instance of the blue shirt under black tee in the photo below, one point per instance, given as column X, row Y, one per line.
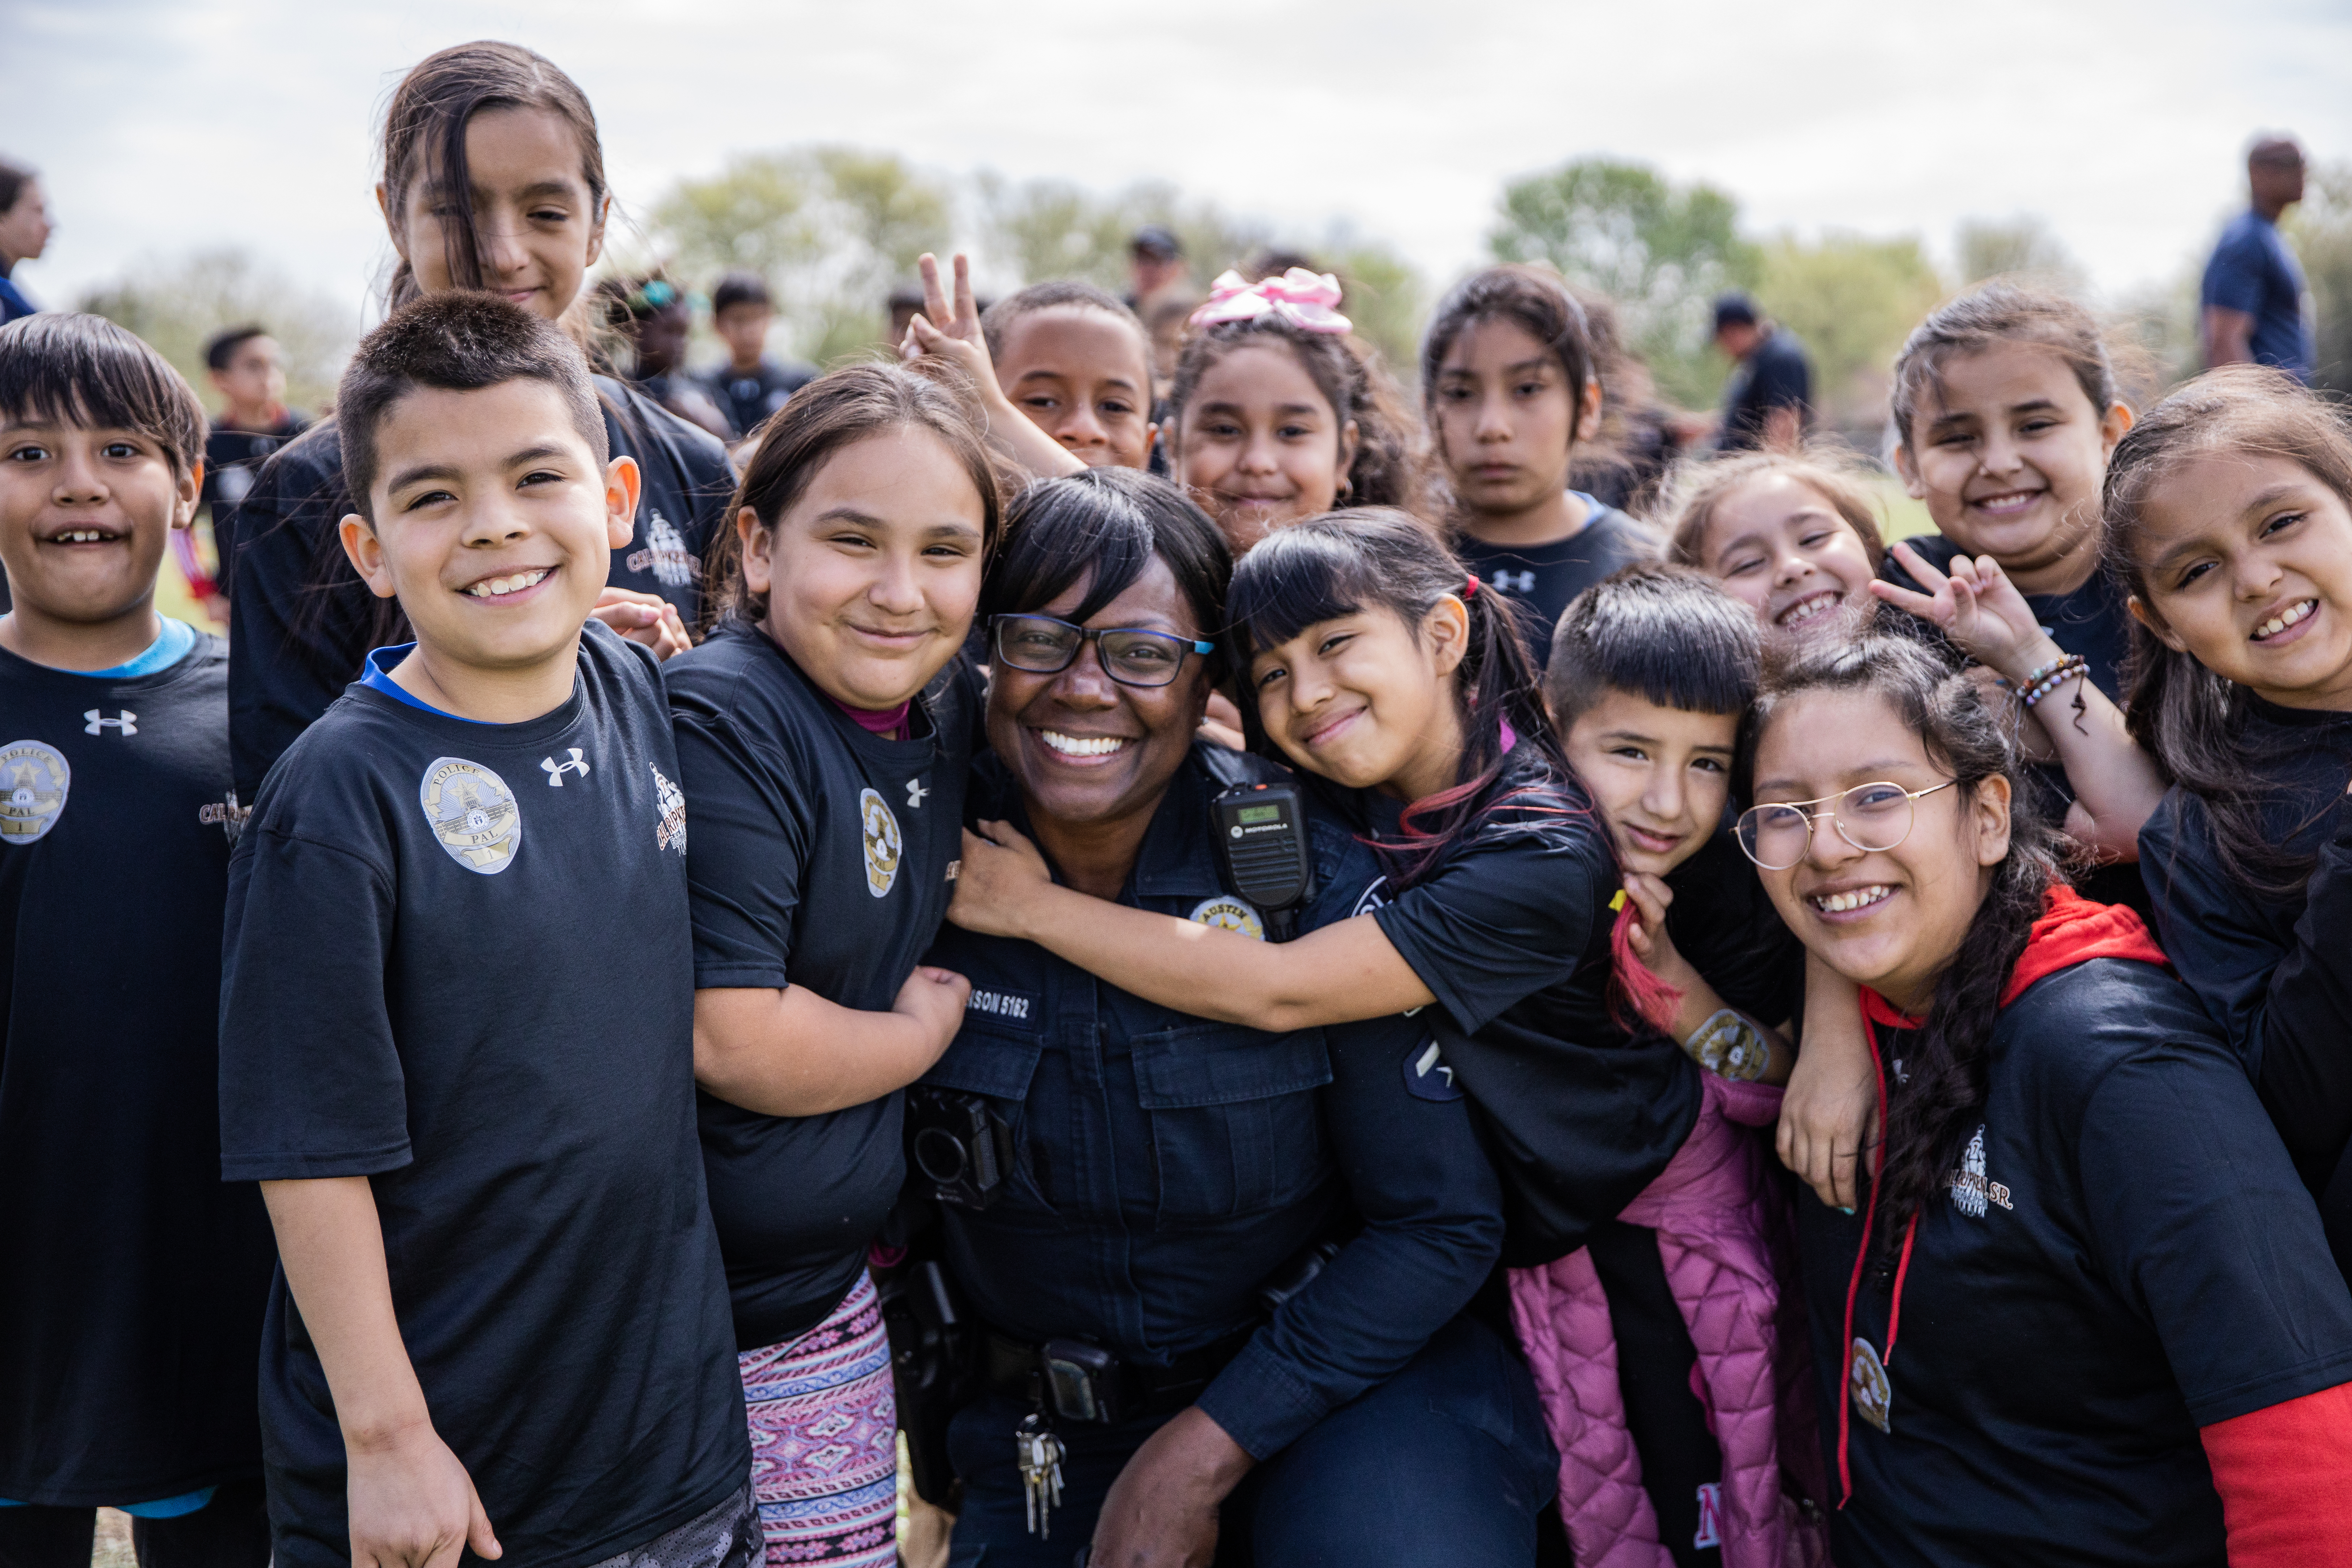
column 458, row 962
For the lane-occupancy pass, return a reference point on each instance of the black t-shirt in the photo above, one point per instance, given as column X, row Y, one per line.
column 821, row 857
column 459, row 963
column 1510, row 930
column 2124, row 1257
column 304, row 621
column 748, row 400
column 1540, row 579
column 131, row 1298
column 232, row 460
column 1776, row 375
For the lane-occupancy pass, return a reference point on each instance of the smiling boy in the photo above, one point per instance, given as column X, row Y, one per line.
column 457, row 1015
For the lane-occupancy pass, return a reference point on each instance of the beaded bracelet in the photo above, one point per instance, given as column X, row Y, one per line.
column 2068, row 669
column 2035, row 677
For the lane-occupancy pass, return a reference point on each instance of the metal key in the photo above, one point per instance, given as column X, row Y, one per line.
column 1038, row 1454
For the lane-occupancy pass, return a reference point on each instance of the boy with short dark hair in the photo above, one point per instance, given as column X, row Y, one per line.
column 131, row 1297
column 248, row 369
column 750, row 385
column 458, row 1015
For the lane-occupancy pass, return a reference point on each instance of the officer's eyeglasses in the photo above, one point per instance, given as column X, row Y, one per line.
column 1869, row 816
column 1041, row 645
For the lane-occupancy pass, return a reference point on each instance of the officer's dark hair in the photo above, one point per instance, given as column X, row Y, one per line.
column 1939, row 1097
column 71, row 369
column 2189, row 721
column 741, row 289
column 996, row 322
column 459, row 340
column 837, row 410
column 222, row 346
column 1378, row 557
column 1107, row 526
column 14, row 178
column 1537, row 302
column 1664, row 634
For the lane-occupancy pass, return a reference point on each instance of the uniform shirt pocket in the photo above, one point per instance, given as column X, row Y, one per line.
column 1236, row 1122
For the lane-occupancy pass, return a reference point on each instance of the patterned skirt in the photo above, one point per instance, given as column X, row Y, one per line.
column 824, row 1440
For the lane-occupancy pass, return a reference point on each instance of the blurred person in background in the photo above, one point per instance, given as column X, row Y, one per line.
column 248, row 369
column 24, row 234
column 1767, row 402
column 1155, row 265
column 752, row 384
column 653, row 314
column 2254, row 305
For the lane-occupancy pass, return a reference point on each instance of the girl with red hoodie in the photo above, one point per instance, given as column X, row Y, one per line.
column 2085, row 1313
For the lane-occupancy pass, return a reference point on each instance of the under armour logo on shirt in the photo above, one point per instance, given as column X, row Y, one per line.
column 124, row 720
column 1515, row 582
column 555, row 770
column 916, row 792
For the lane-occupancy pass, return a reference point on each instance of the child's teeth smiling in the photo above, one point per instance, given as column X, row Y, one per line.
column 1852, row 899
column 1081, row 745
column 1806, row 608
column 2279, row 623
column 494, row 587
column 82, row 536
column 2006, row 504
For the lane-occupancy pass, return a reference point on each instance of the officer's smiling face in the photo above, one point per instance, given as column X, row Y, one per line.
column 1086, row 748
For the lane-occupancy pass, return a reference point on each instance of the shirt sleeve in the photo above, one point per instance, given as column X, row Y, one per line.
column 2285, row 1474
column 1432, row 1218
column 2218, row 944
column 1507, row 915
column 310, row 1080
column 1782, row 380
column 2195, row 1215
column 2233, row 278
column 744, row 848
column 2304, row 1073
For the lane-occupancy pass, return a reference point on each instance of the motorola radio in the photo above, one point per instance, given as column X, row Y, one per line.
column 1262, row 838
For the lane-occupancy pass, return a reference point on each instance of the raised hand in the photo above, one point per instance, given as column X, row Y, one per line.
column 1978, row 607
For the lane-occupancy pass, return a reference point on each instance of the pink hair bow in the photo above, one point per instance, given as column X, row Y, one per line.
column 1305, row 300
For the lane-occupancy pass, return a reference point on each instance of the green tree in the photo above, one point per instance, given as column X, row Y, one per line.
column 1387, row 298
column 1041, row 229
column 2320, row 229
column 2023, row 244
column 177, row 304
column 1851, row 301
column 1661, row 251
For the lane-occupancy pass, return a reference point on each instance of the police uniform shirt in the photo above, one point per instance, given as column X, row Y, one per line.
column 459, row 963
column 2122, row 1255
column 821, row 857
column 232, row 459
column 131, row 1292
column 294, row 645
column 749, row 400
column 1166, row 1165
column 1540, row 579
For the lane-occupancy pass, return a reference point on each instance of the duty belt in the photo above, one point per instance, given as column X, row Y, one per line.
column 1081, row 1382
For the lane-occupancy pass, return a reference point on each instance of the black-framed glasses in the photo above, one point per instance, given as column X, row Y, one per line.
column 1869, row 816
column 1040, row 644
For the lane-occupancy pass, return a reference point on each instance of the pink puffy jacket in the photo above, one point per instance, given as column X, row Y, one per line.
column 1723, row 1237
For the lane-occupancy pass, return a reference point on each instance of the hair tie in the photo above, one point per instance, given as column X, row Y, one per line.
column 1307, row 301
column 1471, row 591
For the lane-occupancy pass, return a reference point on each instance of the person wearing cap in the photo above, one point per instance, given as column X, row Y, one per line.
column 2255, row 308
column 1155, row 262
column 1769, row 401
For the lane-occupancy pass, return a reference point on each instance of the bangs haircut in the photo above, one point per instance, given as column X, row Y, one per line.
column 1664, row 634
column 1107, row 526
column 457, row 340
column 998, row 320
column 1986, row 317
column 1828, row 470
column 67, row 368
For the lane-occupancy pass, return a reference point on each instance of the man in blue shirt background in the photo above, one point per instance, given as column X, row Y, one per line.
column 2253, row 296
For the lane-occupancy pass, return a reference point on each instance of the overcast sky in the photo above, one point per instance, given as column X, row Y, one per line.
column 165, row 127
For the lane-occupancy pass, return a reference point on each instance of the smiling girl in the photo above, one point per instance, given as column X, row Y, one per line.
column 2082, row 1317
column 2230, row 519
column 493, row 178
column 1278, row 412
column 1792, row 536
column 823, row 740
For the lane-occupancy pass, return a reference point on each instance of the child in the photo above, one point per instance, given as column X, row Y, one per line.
column 1793, row 536
column 1077, row 362
column 2085, row 1315
column 2227, row 517
column 247, row 369
column 457, row 1023
column 1279, row 412
column 1651, row 674
column 825, row 742
column 950, row 332
column 652, row 314
column 527, row 163
column 1511, row 386
column 131, row 1305
column 751, row 384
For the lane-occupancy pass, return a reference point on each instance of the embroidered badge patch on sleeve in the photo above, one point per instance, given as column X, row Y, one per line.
column 473, row 814
column 879, row 830
column 1228, row 913
column 33, row 783
column 671, row 831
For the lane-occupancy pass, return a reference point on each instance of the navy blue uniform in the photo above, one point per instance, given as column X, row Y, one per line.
column 1540, row 579
column 1776, row 375
column 821, row 855
column 304, row 622
column 232, row 460
column 1166, row 1166
column 749, row 400
column 459, row 963
column 2122, row 1257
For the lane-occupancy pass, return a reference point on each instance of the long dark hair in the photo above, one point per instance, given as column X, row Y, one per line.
column 1537, row 302
column 1346, row 562
column 1939, row 1097
column 2190, row 720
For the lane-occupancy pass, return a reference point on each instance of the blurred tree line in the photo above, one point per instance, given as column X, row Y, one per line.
column 178, row 303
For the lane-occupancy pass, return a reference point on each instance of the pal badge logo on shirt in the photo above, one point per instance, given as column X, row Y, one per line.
column 1228, row 913
column 472, row 813
column 33, row 783
column 879, row 830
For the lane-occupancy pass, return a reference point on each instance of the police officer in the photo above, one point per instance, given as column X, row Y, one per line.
column 1223, row 1275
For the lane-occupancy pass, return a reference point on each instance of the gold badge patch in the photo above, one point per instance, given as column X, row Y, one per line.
column 34, row 783
column 880, row 831
column 1866, row 1382
column 1229, row 913
column 473, row 814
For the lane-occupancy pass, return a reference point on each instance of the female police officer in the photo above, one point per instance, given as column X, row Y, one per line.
column 1168, row 1183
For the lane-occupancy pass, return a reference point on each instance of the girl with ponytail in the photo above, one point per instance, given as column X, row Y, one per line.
column 2083, row 1314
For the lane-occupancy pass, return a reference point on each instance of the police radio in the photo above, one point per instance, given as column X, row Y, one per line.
column 1262, row 838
